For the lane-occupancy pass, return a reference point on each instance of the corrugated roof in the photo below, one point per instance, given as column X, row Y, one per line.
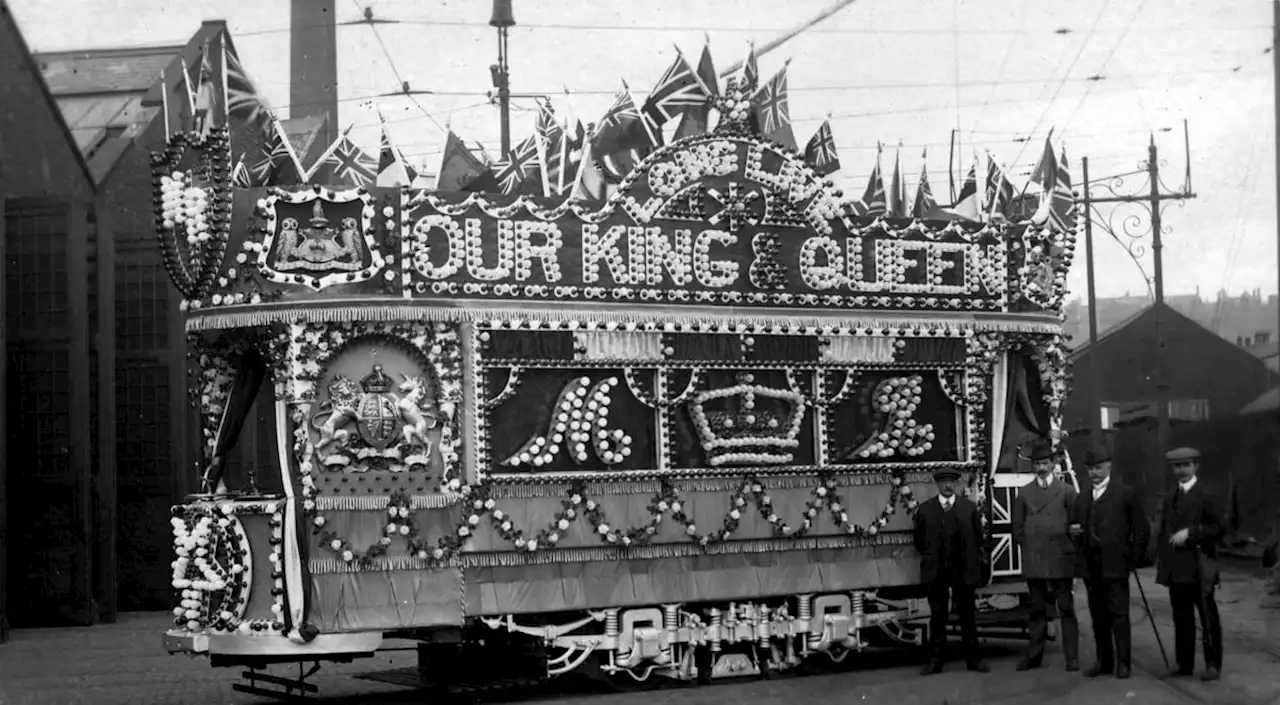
column 56, row 113
column 105, row 70
column 100, row 91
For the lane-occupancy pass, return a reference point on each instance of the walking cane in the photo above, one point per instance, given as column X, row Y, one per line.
column 1147, row 606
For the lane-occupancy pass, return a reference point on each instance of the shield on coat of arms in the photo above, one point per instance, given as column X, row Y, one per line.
column 377, row 416
column 378, row 419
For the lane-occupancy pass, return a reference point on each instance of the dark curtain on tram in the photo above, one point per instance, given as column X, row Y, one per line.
column 1028, row 416
column 249, row 370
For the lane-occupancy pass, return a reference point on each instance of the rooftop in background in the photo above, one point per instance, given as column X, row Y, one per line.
column 100, row 94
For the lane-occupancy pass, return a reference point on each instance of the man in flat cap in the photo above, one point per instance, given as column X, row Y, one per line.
column 1190, row 527
column 1112, row 533
column 948, row 535
column 1042, row 516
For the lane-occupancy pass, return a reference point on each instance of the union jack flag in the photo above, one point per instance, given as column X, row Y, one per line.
column 820, row 153
column 552, row 138
column 1056, row 200
column 350, row 165
column 513, row 170
column 621, row 138
column 999, row 190
column 279, row 163
column 243, row 100
column 677, row 92
column 771, row 109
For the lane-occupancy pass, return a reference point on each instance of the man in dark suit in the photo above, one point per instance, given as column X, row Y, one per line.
column 948, row 535
column 1113, row 533
column 1042, row 514
column 1190, row 527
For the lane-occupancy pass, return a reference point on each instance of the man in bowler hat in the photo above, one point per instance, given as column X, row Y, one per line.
column 948, row 535
column 1042, row 514
column 1190, row 527
column 1112, row 533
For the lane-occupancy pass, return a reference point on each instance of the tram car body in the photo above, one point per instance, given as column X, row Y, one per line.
column 642, row 433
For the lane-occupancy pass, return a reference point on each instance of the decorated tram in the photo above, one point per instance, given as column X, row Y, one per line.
column 677, row 433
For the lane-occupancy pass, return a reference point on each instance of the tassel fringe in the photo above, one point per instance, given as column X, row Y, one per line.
column 455, row 311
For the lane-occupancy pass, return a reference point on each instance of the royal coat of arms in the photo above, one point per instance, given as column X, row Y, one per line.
column 376, row 422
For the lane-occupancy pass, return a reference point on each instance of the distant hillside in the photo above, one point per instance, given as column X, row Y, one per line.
column 1231, row 317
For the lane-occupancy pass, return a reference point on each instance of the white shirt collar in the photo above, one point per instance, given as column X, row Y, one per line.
column 1101, row 487
column 947, row 501
column 1186, row 486
column 1045, row 481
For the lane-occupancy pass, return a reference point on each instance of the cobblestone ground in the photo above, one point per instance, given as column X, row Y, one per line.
column 124, row 663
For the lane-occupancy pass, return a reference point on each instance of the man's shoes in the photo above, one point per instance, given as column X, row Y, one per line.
column 1027, row 664
column 1210, row 674
column 1073, row 665
column 979, row 666
column 1180, row 673
column 1096, row 670
column 931, row 667
column 1122, row 671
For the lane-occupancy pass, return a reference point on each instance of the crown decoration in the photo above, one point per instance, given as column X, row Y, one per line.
column 749, row 424
column 377, row 382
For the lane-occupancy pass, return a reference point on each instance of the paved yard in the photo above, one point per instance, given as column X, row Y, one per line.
column 124, row 663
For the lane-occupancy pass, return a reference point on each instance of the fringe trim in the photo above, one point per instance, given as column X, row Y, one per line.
column 454, row 311
column 503, row 559
column 732, row 474
column 381, row 502
column 713, row 484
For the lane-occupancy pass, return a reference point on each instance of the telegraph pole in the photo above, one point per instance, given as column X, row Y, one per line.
column 1151, row 201
column 503, row 19
column 1095, row 426
column 1275, row 60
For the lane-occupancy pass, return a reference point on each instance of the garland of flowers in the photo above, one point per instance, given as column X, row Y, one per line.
column 214, row 380
column 577, row 505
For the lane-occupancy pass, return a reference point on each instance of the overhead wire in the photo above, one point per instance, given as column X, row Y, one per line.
column 1004, row 62
column 1119, row 40
column 1083, row 45
column 396, row 72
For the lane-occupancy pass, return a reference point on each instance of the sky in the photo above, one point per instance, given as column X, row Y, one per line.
column 904, row 72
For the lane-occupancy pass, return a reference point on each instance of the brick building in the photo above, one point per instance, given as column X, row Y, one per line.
column 55, row 478
column 95, row 539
